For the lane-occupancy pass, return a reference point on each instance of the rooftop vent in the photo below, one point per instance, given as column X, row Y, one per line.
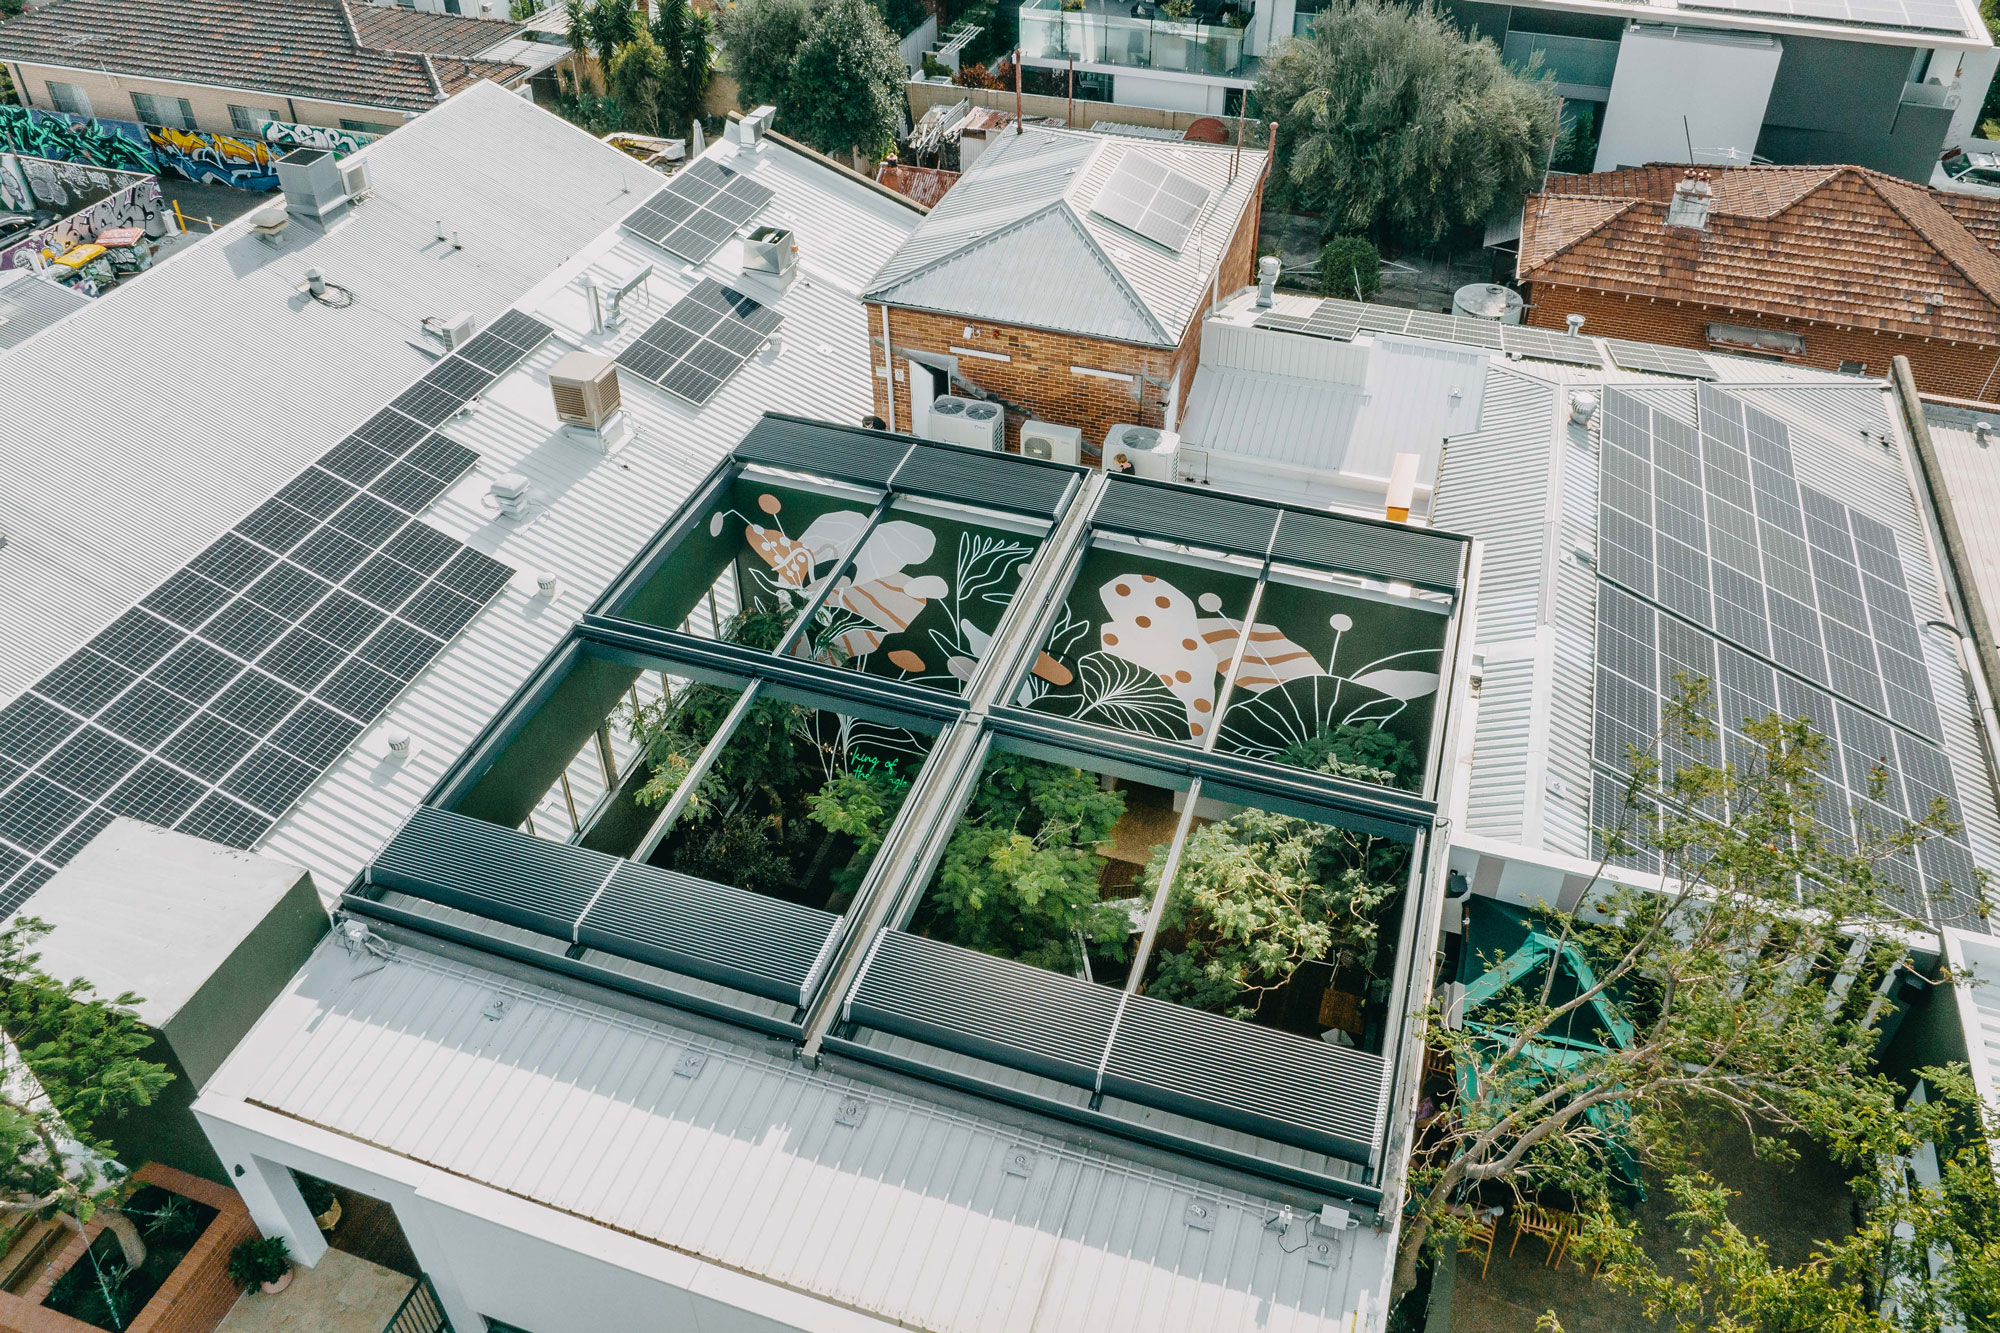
column 751, row 129
column 770, row 250
column 1689, row 206
column 1268, row 269
column 585, row 388
column 1575, row 323
column 311, row 180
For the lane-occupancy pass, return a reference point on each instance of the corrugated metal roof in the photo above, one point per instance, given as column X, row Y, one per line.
column 590, row 514
column 30, row 303
column 142, row 427
column 922, row 1214
column 1972, row 475
column 1015, row 241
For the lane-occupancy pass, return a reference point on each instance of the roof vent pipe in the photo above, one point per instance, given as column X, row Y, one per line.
column 316, row 283
column 1268, row 269
column 1689, row 206
column 1582, row 407
column 1984, row 433
column 1575, row 323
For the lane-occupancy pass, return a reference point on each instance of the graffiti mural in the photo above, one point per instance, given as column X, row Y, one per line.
column 284, row 136
column 121, row 145
column 135, row 203
column 246, row 164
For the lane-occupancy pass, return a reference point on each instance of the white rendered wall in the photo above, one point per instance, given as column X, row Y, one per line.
column 491, row 1254
column 1677, row 84
column 1167, row 94
column 1975, row 74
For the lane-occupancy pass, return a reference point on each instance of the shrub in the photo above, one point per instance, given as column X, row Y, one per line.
column 255, row 1262
column 1350, row 267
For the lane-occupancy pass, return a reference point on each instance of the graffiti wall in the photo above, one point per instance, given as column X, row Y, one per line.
column 95, row 199
column 244, row 163
column 121, row 145
column 284, row 136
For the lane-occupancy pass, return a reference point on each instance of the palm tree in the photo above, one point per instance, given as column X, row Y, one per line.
column 577, row 16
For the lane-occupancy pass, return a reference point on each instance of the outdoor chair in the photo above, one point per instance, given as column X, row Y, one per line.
column 1478, row 1239
column 1545, row 1224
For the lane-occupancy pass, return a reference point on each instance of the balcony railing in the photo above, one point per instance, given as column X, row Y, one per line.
column 1093, row 38
column 420, row 1312
column 1584, row 62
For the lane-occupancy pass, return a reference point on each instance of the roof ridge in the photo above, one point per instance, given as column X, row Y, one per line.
column 1059, row 206
column 1624, row 206
column 347, row 22
column 1987, row 285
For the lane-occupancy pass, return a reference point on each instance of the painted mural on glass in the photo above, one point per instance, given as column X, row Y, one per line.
column 1144, row 645
column 923, row 597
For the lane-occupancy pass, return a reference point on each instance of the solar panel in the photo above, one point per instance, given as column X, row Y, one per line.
column 698, row 210
column 1713, row 561
column 1660, row 360
column 693, row 349
column 1145, row 196
column 233, row 684
column 1915, row 15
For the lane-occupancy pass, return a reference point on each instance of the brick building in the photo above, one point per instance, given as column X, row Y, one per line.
column 1020, row 288
column 1838, row 268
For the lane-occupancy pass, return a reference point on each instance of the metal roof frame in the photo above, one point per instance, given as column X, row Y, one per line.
column 846, row 967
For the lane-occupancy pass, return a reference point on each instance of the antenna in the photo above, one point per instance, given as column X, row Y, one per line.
column 1690, row 139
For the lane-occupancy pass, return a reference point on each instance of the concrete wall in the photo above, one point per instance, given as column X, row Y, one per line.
column 1869, row 124
column 1959, row 370
column 1150, row 90
column 924, row 96
column 491, row 1254
column 1677, row 84
column 914, row 44
column 111, row 97
column 1974, row 75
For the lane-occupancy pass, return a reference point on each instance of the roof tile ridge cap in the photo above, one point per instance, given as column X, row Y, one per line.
column 430, row 72
column 347, row 22
column 1520, row 271
column 1987, row 286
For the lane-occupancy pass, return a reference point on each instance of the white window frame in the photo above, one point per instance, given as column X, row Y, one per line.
column 71, row 91
column 243, row 119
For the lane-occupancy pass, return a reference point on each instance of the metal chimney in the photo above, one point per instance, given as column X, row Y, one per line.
column 1268, row 269
column 314, row 190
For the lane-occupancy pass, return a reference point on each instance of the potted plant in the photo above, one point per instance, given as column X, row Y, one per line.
column 263, row 1264
column 321, row 1201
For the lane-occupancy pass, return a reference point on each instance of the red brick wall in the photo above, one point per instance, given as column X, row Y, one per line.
column 1037, row 380
column 1941, row 367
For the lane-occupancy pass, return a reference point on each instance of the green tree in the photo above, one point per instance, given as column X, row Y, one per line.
column 760, row 38
column 683, row 33
column 576, row 33
column 1019, row 876
column 1350, row 267
column 1394, row 123
column 643, row 81
column 70, row 1066
column 861, row 804
column 611, row 24
column 1720, row 975
column 846, row 88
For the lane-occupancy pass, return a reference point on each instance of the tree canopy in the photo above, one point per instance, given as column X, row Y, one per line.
column 1715, row 993
column 70, row 1066
column 1394, row 123
column 1019, row 877
column 831, row 67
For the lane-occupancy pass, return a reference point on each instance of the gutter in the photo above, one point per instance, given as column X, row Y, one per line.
column 1976, row 645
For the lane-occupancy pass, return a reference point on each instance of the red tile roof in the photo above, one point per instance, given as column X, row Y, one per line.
column 926, row 185
column 1832, row 245
column 322, row 49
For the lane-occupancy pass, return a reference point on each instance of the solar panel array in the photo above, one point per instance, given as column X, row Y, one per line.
column 1154, row 200
column 1660, row 360
column 1716, row 564
column 1916, row 15
column 693, row 349
column 215, row 703
column 698, row 210
column 1342, row 320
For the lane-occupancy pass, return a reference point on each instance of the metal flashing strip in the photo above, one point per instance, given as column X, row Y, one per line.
column 996, row 481
column 866, row 457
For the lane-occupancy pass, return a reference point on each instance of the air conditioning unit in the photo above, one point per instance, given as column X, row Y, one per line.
column 585, row 387
column 770, row 250
column 967, row 422
column 1147, row 452
column 457, row 330
column 1058, row 444
column 355, row 180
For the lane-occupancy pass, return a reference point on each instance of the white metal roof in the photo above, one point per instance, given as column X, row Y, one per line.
column 142, row 427
column 1516, row 474
column 590, row 514
column 919, row 1213
column 1972, row 475
column 1016, row 241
